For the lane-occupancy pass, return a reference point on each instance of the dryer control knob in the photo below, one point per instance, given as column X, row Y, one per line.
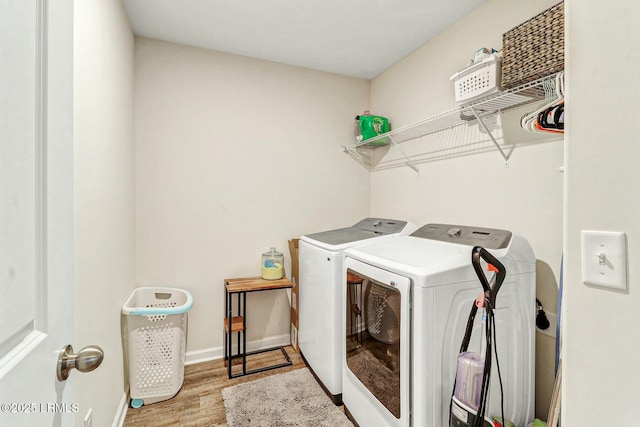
column 454, row 232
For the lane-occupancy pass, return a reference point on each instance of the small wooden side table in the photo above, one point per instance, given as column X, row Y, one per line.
column 238, row 324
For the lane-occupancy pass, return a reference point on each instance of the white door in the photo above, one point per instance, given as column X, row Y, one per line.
column 36, row 208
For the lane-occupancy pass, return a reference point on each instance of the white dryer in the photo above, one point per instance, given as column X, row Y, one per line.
column 418, row 293
column 320, row 293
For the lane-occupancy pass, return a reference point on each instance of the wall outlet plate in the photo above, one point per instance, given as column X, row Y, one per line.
column 604, row 259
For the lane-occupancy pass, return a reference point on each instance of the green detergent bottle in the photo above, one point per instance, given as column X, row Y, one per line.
column 371, row 126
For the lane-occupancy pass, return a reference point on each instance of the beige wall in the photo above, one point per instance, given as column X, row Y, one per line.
column 103, row 192
column 526, row 197
column 205, row 179
column 235, row 155
column 600, row 353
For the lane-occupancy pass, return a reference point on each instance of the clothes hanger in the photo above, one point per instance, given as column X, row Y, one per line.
column 532, row 121
column 550, row 116
column 551, row 119
column 549, row 87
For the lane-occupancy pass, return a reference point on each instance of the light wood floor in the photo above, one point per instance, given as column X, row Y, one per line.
column 199, row 402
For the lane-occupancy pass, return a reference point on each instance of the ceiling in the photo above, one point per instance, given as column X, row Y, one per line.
column 359, row 38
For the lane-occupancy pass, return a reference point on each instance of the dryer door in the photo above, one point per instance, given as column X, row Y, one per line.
column 376, row 346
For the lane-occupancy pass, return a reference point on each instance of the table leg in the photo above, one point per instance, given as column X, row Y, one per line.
column 244, row 333
column 228, row 333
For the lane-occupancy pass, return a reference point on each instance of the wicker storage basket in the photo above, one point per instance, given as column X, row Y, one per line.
column 534, row 49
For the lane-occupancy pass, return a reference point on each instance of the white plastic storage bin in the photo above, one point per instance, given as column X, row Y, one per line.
column 478, row 81
column 155, row 342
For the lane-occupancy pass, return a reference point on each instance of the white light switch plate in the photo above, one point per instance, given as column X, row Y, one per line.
column 604, row 259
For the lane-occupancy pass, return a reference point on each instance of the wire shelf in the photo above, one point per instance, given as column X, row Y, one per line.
column 428, row 137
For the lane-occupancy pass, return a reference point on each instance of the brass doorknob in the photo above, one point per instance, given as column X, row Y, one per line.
column 86, row 360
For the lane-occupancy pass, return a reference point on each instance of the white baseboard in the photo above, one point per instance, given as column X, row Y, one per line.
column 215, row 353
column 118, row 420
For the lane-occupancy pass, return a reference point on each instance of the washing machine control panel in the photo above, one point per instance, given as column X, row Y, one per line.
column 489, row 238
column 381, row 225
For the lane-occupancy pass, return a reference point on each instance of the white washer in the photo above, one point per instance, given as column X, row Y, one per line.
column 320, row 271
column 426, row 285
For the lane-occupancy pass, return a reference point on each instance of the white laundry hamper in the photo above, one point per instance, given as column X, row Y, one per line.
column 154, row 336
